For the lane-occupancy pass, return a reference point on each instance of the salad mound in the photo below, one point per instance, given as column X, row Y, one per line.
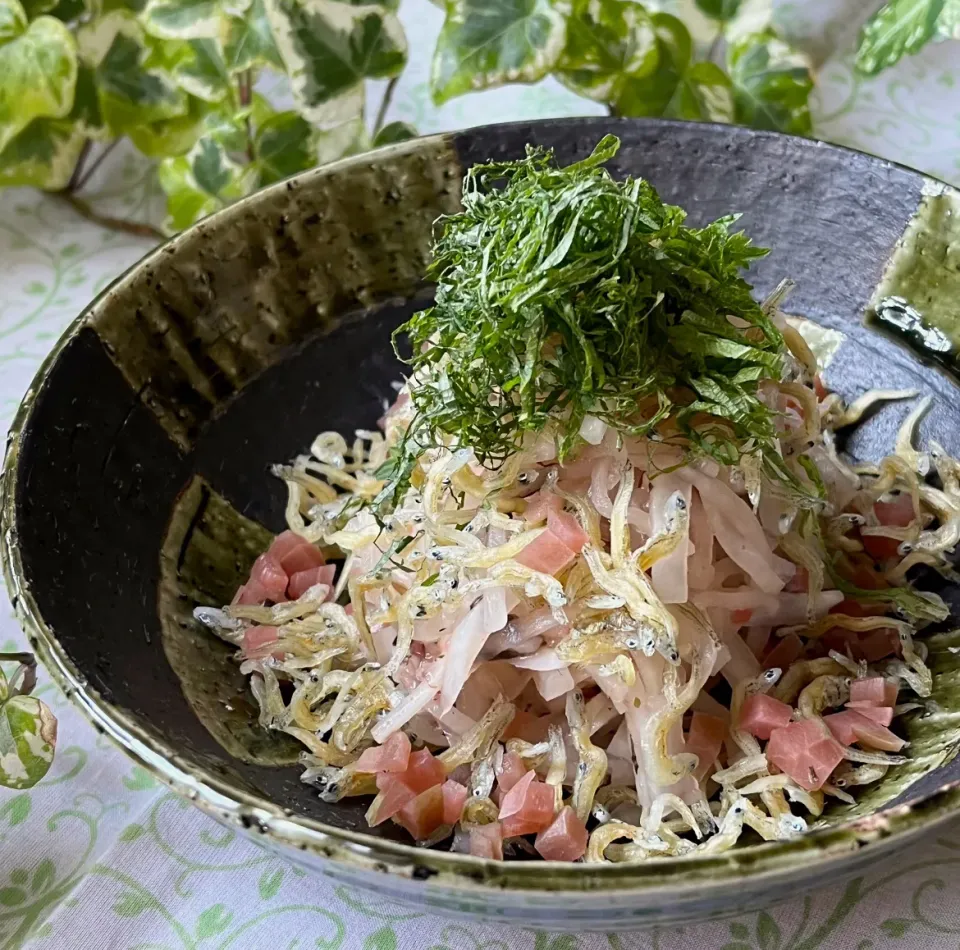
column 609, row 591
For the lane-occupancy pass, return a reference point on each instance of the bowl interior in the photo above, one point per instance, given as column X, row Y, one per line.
column 141, row 482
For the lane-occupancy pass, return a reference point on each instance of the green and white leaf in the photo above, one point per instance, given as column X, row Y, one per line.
column 131, row 95
column 248, row 41
column 13, row 19
column 329, row 48
column 285, row 144
column 69, row 11
column 38, row 75
column 182, row 19
column 487, row 43
column 28, row 735
column 201, row 182
column 43, row 155
column 898, row 28
column 607, row 41
column 751, row 16
column 202, row 71
column 772, row 83
column 95, row 38
column 705, row 94
column 948, row 25
column 174, row 136
column 652, row 94
column 394, row 132
column 36, row 8
column 86, row 113
column 722, row 10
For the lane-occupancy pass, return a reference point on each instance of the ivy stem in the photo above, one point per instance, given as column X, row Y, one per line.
column 245, row 92
column 88, row 173
column 385, row 104
column 78, row 168
column 84, row 209
column 715, row 47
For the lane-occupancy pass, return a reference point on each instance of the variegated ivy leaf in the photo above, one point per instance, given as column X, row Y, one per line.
column 607, row 40
column 679, row 88
column 719, row 9
column 201, row 182
column 35, row 8
column 772, row 83
column 285, row 144
column 901, row 27
column 43, row 155
column 38, row 75
column 86, row 114
column 948, row 26
column 248, row 41
column 704, row 94
column 13, row 19
column 28, row 735
column 394, row 132
column 95, row 38
column 751, row 16
column 69, row 11
column 132, row 95
column 201, row 71
column 329, row 48
column 183, row 19
column 171, row 136
column 486, row 43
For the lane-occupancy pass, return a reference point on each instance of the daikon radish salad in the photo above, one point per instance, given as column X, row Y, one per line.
column 608, row 592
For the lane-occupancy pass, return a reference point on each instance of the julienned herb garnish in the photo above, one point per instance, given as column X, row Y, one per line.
column 563, row 293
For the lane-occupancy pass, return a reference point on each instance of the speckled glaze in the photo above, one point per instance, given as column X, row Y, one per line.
column 136, row 485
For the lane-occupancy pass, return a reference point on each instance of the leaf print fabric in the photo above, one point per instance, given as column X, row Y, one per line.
column 99, row 855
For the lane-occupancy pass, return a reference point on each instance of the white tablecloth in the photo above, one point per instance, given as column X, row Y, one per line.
column 99, row 856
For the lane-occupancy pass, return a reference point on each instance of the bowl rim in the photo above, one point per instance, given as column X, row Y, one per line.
column 890, row 826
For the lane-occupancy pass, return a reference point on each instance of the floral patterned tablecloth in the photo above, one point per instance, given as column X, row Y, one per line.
column 100, row 856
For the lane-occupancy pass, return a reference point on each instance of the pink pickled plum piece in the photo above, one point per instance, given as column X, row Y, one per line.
column 302, row 581
column 486, row 841
column 761, row 714
column 881, row 714
column 424, row 814
column 454, row 798
column 268, row 573
column 875, row 690
column 806, row 751
column 565, row 839
column 392, row 756
column 705, row 739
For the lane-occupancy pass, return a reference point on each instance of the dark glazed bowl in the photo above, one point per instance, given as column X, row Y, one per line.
column 136, row 482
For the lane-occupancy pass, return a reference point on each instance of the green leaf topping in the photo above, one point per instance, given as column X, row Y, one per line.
column 771, row 84
column 898, row 28
column 38, row 74
column 329, row 48
column 562, row 293
column 608, row 43
column 485, row 43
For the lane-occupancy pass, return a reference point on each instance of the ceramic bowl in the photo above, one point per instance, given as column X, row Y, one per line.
column 136, row 483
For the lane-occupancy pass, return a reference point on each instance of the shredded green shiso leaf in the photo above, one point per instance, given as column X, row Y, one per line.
column 562, row 293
